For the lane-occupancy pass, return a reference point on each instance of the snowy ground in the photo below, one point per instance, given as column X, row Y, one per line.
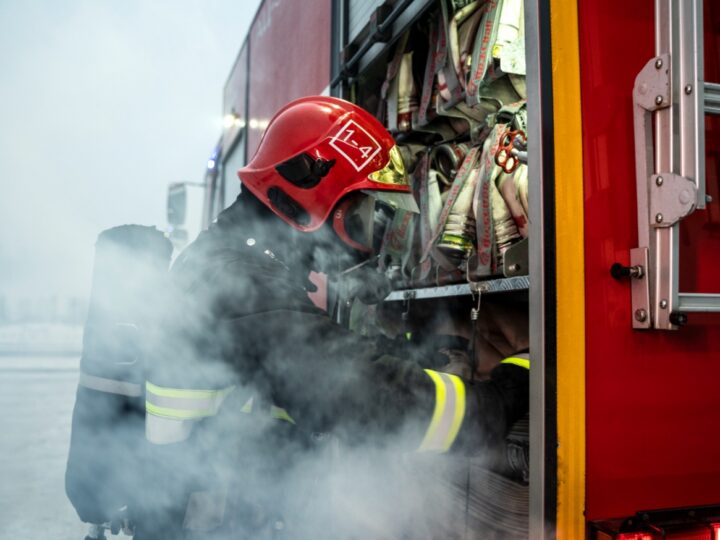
column 37, row 394
column 38, row 338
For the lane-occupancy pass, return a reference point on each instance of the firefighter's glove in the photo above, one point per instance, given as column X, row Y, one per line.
column 493, row 406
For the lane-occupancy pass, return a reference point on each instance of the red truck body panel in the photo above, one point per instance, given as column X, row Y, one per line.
column 298, row 33
column 234, row 98
column 653, row 405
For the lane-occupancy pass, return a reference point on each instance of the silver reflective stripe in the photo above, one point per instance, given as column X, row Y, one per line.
column 448, row 414
column 110, row 386
column 163, row 430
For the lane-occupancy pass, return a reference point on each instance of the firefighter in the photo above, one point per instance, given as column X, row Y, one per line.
column 246, row 370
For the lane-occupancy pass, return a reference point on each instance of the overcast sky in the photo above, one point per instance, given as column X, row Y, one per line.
column 102, row 104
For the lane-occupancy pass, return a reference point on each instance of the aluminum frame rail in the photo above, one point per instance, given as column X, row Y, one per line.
column 518, row 283
column 669, row 128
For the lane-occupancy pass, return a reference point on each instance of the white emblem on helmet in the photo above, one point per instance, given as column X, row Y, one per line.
column 355, row 144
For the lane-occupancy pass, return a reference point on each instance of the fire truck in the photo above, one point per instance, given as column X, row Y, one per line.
column 616, row 264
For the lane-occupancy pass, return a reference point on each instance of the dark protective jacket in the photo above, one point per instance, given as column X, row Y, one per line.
column 248, row 375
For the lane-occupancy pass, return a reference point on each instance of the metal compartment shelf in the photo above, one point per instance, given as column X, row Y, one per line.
column 518, row 283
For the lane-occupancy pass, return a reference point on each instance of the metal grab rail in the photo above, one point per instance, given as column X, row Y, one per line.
column 670, row 163
column 712, row 98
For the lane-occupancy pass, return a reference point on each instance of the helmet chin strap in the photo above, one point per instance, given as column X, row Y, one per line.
column 328, row 249
column 360, row 207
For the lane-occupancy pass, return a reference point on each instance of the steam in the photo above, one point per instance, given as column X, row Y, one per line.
column 230, row 319
column 102, row 105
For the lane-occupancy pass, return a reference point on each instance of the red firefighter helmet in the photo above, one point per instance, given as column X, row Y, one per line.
column 315, row 151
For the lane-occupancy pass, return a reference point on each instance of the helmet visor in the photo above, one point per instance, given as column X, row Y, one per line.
column 394, row 171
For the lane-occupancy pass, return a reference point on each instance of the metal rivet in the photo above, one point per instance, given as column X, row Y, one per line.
column 658, row 100
column 250, row 242
column 659, row 218
column 658, row 63
column 659, row 181
column 514, row 267
column 708, row 198
column 663, row 304
column 688, row 89
column 640, row 315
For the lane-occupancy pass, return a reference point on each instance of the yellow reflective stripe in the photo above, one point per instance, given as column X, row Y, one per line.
column 448, row 413
column 183, row 392
column 182, row 414
column 437, row 413
column 522, row 362
column 248, row 407
column 459, row 409
column 280, row 414
column 183, row 403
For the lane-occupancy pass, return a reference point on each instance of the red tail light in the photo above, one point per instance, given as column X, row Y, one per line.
column 692, row 533
column 696, row 523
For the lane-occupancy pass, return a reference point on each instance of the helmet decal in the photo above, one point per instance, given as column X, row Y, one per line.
column 355, row 144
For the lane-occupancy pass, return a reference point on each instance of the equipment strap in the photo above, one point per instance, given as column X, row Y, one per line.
column 109, row 386
column 513, row 187
column 456, row 56
column 481, row 66
column 509, row 218
column 428, row 192
column 448, row 84
column 432, row 64
column 467, row 169
column 466, row 40
column 388, row 110
column 397, row 242
column 448, row 414
column 483, row 203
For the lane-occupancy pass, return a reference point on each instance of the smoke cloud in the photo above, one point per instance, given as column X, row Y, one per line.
column 102, row 105
column 234, row 318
